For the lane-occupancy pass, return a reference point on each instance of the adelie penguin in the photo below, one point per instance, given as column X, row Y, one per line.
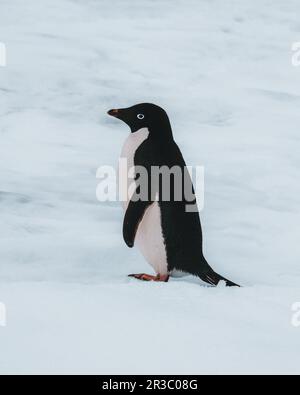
column 168, row 235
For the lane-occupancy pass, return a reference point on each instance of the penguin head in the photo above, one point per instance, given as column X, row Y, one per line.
column 144, row 115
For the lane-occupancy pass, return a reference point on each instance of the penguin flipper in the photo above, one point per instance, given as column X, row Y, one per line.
column 133, row 216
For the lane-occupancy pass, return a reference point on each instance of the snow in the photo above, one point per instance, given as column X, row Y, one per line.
column 223, row 72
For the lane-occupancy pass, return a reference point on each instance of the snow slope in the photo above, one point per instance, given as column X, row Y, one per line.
column 223, row 72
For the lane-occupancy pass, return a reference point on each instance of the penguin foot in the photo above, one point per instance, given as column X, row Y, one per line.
column 148, row 277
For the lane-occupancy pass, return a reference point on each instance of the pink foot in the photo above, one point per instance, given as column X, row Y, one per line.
column 147, row 277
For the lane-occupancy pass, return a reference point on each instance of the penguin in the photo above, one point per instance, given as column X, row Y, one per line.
column 168, row 236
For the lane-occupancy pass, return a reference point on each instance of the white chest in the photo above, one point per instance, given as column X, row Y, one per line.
column 126, row 169
column 131, row 144
column 149, row 238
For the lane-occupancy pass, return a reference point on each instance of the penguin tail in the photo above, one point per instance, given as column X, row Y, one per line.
column 213, row 278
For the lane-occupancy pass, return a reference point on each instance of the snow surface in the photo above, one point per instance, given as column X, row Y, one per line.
column 223, row 72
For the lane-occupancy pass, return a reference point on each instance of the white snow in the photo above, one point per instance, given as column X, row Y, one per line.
column 223, row 71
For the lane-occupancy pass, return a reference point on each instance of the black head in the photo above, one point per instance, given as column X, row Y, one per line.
column 144, row 115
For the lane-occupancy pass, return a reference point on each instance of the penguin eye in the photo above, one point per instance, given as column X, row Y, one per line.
column 140, row 116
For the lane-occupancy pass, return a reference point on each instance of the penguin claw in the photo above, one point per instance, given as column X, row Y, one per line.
column 149, row 277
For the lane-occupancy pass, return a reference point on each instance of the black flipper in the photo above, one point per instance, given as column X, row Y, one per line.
column 133, row 216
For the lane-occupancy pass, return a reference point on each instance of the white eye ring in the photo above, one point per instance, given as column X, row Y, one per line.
column 140, row 116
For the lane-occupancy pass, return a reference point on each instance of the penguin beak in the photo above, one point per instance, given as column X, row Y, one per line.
column 114, row 113
column 119, row 113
